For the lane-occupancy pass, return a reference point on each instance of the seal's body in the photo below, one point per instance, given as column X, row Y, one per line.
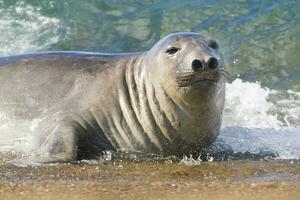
column 166, row 100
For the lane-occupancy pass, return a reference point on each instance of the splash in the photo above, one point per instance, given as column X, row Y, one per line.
column 260, row 122
column 23, row 28
column 247, row 105
column 253, row 106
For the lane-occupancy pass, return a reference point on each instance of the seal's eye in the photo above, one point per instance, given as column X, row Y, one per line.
column 172, row 50
column 213, row 44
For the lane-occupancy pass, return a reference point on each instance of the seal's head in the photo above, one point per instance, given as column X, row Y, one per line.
column 188, row 64
column 187, row 80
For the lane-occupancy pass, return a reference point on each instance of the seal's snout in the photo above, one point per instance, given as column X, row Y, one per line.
column 212, row 63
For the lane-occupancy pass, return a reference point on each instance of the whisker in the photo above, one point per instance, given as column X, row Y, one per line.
column 225, row 75
column 184, row 79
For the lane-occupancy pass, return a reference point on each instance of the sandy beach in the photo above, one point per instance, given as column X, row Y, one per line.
column 153, row 180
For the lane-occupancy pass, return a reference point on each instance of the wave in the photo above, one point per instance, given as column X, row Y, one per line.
column 23, row 29
column 253, row 106
column 260, row 122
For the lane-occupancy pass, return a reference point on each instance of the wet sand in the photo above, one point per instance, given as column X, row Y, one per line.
column 244, row 179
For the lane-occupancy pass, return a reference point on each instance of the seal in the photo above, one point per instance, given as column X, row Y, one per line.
column 167, row 100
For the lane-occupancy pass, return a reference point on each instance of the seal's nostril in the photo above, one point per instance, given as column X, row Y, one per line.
column 212, row 63
column 197, row 65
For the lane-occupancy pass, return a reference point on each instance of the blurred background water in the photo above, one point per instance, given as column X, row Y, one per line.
column 260, row 42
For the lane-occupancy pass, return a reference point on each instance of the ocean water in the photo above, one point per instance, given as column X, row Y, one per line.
column 259, row 40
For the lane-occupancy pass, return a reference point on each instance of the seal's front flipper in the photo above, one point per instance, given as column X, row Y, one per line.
column 58, row 145
column 66, row 138
column 55, row 146
column 70, row 140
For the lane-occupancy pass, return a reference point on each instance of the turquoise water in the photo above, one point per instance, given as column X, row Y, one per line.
column 260, row 42
column 260, row 39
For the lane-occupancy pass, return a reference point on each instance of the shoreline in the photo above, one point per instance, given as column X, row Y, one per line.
column 242, row 179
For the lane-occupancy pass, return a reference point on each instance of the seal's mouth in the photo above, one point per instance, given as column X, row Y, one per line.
column 189, row 78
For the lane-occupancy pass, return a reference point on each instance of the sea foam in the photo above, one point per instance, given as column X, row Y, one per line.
column 24, row 29
column 259, row 120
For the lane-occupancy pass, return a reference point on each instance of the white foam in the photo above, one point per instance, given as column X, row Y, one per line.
column 252, row 124
column 253, row 106
column 24, row 29
column 247, row 105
